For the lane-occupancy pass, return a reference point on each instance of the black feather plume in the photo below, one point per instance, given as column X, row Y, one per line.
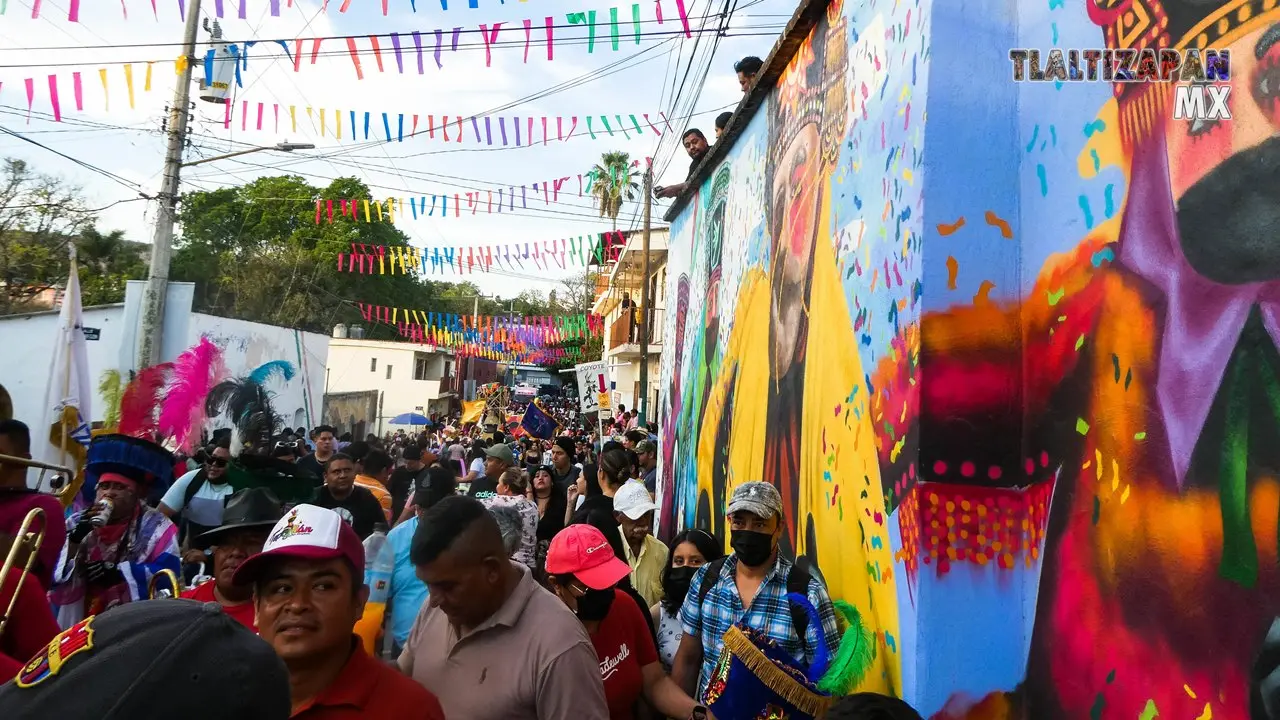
column 247, row 405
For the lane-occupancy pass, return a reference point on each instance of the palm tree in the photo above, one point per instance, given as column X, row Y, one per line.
column 615, row 181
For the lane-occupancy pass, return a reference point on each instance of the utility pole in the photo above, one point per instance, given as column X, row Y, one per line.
column 151, row 332
column 645, row 301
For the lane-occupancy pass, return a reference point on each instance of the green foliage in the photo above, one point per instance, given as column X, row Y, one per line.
column 255, row 252
column 614, row 181
column 40, row 218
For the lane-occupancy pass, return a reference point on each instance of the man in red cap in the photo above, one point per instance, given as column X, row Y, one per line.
column 309, row 592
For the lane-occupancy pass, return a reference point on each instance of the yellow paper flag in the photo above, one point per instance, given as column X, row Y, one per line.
column 146, row 86
column 102, row 75
column 337, row 124
column 128, row 82
column 322, row 125
column 293, row 118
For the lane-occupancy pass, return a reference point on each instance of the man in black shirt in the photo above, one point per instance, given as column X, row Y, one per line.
column 695, row 143
column 325, row 448
column 340, row 493
column 402, row 479
column 563, row 472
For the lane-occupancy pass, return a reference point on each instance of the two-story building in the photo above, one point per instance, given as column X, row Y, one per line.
column 388, row 378
column 620, row 302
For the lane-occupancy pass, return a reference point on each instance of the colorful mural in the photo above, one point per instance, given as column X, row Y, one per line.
column 803, row 245
column 1031, row 433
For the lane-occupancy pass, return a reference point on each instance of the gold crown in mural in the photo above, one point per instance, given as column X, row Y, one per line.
column 1177, row 24
column 803, row 99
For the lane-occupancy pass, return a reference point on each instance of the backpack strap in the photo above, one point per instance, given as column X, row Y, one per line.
column 798, row 582
column 709, row 579
column 193, row 487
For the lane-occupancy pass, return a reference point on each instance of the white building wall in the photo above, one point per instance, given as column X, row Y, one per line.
column 28, row 342
column 359, row 365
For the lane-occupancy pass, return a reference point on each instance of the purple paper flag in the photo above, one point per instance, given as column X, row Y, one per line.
column 395, row 43
column 275, row 8
column 417, row 44
column 439, row 40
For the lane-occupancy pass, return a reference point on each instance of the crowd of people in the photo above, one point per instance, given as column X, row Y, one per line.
column 460, row 571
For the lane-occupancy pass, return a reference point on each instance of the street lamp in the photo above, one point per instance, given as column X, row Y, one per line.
column 282, row 147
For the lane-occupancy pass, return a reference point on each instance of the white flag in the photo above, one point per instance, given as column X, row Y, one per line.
column 69, row 393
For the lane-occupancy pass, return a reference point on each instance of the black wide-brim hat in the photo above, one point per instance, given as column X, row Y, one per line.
column 257, row 507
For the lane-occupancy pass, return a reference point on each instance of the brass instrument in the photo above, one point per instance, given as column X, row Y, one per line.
column 174, row 589
column 64, row 491
column 28, row 541
column 154, row 592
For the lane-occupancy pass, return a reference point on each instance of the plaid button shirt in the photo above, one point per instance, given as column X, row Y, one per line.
column 770, row 613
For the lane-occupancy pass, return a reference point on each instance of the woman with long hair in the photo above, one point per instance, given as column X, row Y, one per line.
column 690, row 550
column 551, row 509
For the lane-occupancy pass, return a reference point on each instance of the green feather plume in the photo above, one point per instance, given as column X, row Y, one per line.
column 111, row 389
column 853, row 658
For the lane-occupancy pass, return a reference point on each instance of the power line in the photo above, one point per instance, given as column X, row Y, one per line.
column 105, row 173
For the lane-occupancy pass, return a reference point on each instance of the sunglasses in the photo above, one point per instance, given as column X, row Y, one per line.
column 216, row 462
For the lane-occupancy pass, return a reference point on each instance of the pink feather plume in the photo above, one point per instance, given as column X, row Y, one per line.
column 140, row 403
column 195, row 373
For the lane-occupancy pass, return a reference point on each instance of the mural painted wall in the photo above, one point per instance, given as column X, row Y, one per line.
column 1028, row 426
column 795, row 275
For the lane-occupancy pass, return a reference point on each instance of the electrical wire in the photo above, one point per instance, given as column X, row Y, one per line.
column 88, row 166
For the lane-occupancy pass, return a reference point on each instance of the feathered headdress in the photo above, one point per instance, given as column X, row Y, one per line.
column 140, row 403
column 247, row 404
column 195, row 373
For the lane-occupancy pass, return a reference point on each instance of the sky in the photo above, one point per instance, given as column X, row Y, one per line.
column 125, row 139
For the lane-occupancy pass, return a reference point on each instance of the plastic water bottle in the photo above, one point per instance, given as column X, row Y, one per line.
column 379, row 564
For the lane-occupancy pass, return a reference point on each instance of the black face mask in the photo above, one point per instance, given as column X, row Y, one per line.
column 753, row 548
column 594, row 605
column 676, row 585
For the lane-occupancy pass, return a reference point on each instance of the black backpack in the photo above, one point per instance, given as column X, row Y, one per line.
column 802, row 570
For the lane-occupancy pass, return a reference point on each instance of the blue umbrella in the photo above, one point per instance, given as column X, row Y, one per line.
column 410, row 419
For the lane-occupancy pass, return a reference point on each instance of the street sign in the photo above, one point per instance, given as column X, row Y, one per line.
column 593, row 386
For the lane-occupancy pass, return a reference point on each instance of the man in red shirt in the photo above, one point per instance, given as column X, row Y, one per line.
column 308, row 592
column 248, row 517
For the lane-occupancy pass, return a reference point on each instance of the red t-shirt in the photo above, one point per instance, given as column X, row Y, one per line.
column 14, row 506
column 623, row 646
column 367, row 688
column 242, row 613
column 30, row 627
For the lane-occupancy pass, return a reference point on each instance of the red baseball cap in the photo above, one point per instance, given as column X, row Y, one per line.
column 309, row 532
column 583, row 551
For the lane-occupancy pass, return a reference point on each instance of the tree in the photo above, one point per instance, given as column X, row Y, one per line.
column 39, row 216
column 255, row 252
column 613, row 182
column 107, row 263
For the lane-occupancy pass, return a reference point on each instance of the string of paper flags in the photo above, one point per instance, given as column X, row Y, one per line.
column 525, row 338
column 52, row 87
column 580, row 251
column 488, row 130
column 223, row 8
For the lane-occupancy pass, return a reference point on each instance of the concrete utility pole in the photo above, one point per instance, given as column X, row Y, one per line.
column 645, row 301
column 151, row 333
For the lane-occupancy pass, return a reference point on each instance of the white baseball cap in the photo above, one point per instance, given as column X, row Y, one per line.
column 633, row 500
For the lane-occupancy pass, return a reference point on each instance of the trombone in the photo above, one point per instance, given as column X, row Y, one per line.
column 28, row 541
column 155, row 592
column 64, row 490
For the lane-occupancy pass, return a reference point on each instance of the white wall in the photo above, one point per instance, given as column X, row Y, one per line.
column 352, row 369
column 28, row 342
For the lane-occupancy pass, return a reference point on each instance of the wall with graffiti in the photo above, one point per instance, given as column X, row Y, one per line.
column 1028, row 426
column 796, row 279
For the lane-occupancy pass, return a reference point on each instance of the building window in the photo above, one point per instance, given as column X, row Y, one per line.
column 421, row 362
column 373, row 364
column 388, row 372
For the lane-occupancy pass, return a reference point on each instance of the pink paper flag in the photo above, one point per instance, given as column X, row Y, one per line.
column 73, row 11
column 315, row 49
column 77, row 90
column 551, row 55
column 297, row 54
column 275, row 107
column 528, row 37
column 244, row 115
column 154, row 11
column 35, row 9
column 53, row 98
column 31, row 96
column 259, row 116
column 226, row 120
column 489, row 39
column 684, row 17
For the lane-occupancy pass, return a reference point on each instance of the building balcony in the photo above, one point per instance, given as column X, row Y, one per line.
column 624, row 341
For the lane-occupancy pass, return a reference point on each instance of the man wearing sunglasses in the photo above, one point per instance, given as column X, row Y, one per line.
column 195, row 503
